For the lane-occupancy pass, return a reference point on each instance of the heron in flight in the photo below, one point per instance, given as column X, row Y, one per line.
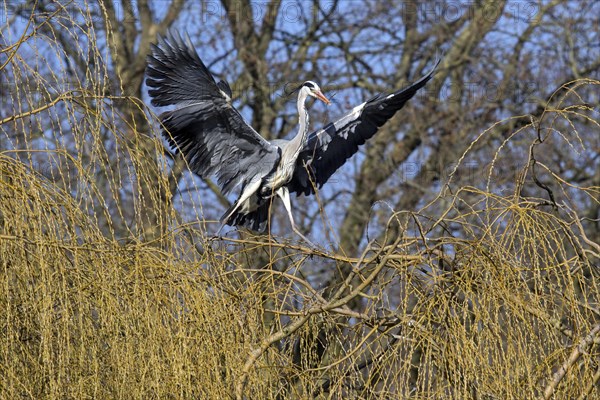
column 215, row 140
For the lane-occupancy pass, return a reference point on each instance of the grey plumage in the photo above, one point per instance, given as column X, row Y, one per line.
column 329, row 148
column 215, row 139
column 204, row 126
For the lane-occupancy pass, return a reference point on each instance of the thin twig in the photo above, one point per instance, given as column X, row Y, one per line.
column 577, row 352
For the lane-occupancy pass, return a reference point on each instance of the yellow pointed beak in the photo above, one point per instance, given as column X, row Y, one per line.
column 322, row 97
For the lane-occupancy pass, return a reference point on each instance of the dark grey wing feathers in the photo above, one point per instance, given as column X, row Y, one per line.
column 204, row 126
column 176, row 74
column 328, row 148
column 224, row 86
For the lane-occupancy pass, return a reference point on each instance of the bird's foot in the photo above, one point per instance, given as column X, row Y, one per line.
column 311, row 244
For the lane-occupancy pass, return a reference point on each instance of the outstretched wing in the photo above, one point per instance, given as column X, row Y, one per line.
column 328, row 149
column 204, row 126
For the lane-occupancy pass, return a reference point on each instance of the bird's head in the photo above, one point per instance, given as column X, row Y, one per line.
column 312, row 89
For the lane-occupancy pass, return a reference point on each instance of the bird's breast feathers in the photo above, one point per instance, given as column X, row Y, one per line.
column 281, row 176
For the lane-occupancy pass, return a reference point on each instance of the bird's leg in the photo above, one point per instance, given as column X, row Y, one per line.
column 218, row 234
column 248, row 191
column 284, row 194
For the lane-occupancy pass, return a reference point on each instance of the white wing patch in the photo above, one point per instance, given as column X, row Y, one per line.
column 227, row 98
column 358, row 109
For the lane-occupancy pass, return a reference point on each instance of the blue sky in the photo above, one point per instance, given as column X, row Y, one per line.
column 203, row 19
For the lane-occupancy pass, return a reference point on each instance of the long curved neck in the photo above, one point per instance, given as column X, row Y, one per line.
column 296, row 144
column 291, row 150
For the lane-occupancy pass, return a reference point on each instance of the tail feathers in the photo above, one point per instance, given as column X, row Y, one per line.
column 255, row 220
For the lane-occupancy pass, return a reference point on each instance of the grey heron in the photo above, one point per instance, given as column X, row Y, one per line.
column 215, row 140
